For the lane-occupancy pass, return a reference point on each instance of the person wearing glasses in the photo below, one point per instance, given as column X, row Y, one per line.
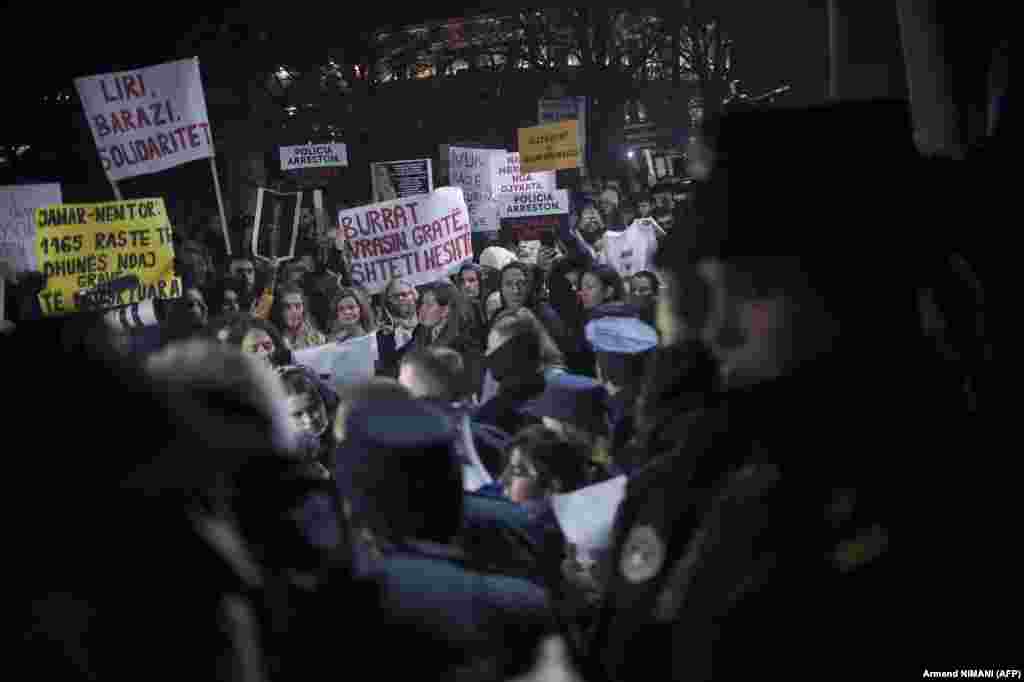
column 398, row 321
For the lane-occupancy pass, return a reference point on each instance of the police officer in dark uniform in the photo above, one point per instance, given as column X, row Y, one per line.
column 765, row 536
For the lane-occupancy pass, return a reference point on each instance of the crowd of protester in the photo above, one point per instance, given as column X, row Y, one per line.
column 225, row 512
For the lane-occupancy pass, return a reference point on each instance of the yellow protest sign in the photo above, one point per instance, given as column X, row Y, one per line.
column 549, row 147
column 81, row 248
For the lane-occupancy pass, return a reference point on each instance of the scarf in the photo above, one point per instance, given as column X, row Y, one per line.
column 307, row 337
column 401, row 328
column 340, row 334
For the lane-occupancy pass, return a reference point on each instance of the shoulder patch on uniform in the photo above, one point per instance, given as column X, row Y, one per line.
column 643, row 554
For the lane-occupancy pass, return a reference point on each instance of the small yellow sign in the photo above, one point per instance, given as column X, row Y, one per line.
column 549, row 147
column 82, row 248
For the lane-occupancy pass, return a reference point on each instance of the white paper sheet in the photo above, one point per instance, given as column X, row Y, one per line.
column 586, row 516
column 347, row 362
column 474, row 473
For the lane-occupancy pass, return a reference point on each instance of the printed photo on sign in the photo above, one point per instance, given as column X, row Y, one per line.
column 147, row 120
column 83, row 248
column 420, row 239
column 277, row 224
column 400, row 179
column 313, row 156
column 540, row 228
column 18, row 205
column 532, row 219
column 472, row 170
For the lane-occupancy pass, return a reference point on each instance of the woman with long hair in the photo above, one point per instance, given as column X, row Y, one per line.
column 352, row 315
column 310, row 410
column 601, row 292
column 471, row 282
column 518, row 290
column 260, row 338
column 291, row 315
column 446, row 320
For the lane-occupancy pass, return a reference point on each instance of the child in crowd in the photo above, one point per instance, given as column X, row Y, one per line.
column 311, row 404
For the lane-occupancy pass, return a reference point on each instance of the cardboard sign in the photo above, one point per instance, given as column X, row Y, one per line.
column 472, row 170
column 313, row 156
column 400, row 179
column 18, row 205
column 420, row 239
column 350, row 361
column 508, row 178
column 147, row 120
column 553, row 110
column 549, row 147
column 276, row 227
column 555, row 202
column 533, row 218
column 83, row 247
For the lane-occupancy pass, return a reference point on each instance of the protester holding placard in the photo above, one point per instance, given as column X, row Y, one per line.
column 584, row 241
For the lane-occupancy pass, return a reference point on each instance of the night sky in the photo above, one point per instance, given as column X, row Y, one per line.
column 776, row 42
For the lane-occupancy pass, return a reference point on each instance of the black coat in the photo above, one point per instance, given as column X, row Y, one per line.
column 762, row 537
